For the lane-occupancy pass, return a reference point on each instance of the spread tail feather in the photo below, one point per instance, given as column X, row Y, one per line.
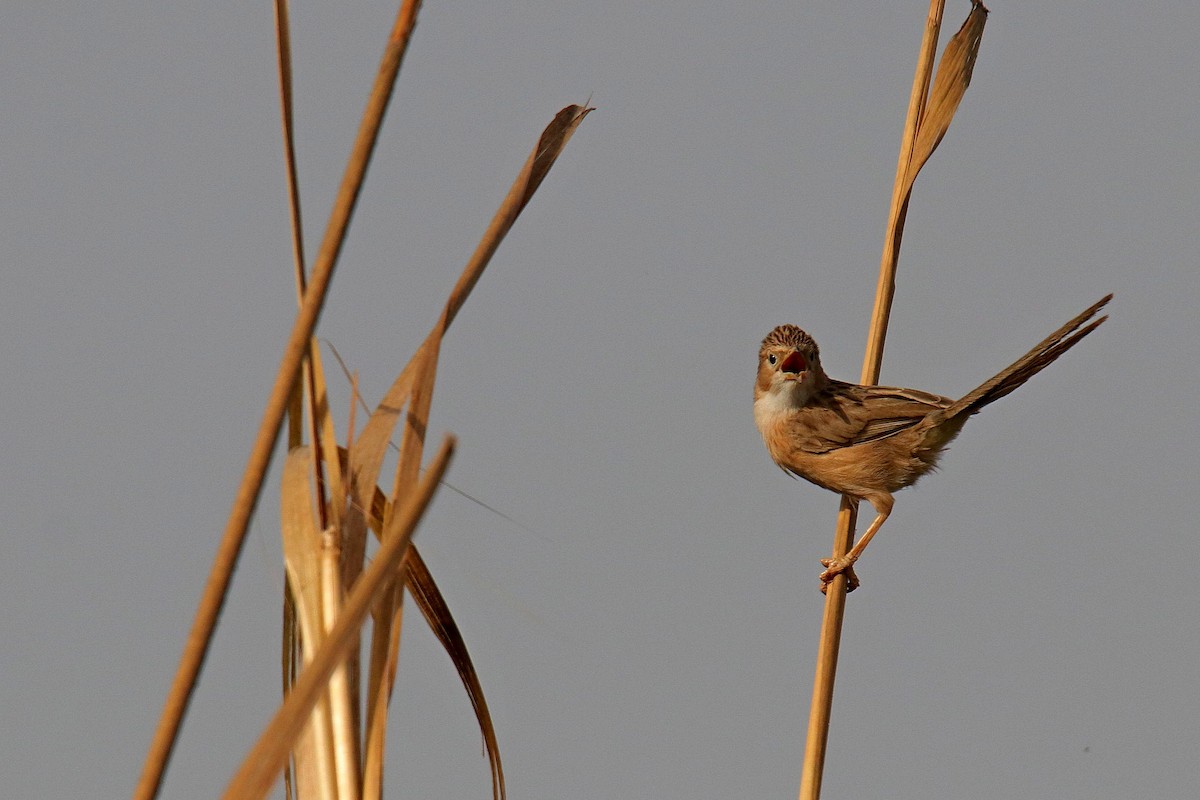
column 1028, row 365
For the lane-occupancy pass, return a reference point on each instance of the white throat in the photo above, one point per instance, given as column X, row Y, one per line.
column 780, row 401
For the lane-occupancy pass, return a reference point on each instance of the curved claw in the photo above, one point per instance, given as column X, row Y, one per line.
column 835, row 567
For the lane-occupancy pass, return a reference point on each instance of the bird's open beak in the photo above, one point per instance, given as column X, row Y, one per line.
column 794, row 366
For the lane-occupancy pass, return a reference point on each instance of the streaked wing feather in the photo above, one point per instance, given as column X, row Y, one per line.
column 843, row 424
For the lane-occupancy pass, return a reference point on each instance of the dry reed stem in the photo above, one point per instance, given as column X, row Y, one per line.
column 315, row 763
column 321, row 432
column 265, row 760
column 283, row 51
column 283, row 47
column 250, row 488
column 330, row 504
column 928, row 119
column 344, row 732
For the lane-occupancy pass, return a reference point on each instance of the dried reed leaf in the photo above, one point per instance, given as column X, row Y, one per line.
column 553, row 139
column 550, row 145
column 414, row 388
column 326, row 439
column 417, row 420
column 367, row 453
column 314, row 755
column 265, row 760
column 949, row 86
column 384, row 650
column 365, row 460
column 418, row 378
column 433, row 607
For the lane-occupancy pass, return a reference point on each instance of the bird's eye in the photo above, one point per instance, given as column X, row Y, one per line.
column 772, row 359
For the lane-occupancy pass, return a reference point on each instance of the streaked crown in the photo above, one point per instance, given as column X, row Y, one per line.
column 791, row 337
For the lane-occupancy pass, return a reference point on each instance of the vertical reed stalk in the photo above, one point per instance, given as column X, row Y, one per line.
column 958, row 69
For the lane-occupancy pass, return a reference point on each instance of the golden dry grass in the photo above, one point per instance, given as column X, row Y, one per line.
column 331, row 501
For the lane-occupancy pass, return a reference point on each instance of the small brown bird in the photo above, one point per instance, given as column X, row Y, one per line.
column 870, row 441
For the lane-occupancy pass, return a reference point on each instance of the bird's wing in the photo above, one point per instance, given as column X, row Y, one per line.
column 847, row 414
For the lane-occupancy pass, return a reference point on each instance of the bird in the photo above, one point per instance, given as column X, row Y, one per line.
column 868, row 442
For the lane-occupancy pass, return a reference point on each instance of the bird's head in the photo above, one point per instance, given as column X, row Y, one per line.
column 789, row 367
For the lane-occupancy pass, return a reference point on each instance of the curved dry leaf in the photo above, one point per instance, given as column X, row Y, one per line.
column 412, row 444
column 413, row 388
column 417, row 377
column 433, row 607
column 335, row 482
column 949, row 85
column 550, row 145
column 366, row 461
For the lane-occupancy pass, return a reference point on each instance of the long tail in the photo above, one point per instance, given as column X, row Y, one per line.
column 1028, row 365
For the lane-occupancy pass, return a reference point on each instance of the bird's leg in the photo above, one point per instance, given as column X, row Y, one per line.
column 836, row 566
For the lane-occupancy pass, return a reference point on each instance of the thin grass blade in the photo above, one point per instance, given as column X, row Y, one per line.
column 437, row 614
column 551, row 144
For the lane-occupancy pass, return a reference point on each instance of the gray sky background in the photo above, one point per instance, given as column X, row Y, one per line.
column 1029, row 623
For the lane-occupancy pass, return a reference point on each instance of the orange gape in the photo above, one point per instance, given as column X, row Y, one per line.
column 870, row 441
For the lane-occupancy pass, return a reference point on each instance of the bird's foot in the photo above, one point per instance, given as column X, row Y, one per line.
column 835, row 567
